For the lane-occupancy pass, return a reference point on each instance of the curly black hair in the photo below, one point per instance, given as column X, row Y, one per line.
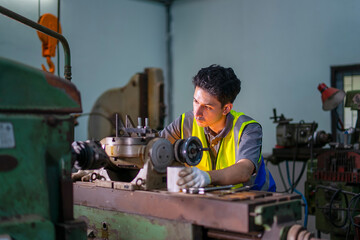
column 218, row 81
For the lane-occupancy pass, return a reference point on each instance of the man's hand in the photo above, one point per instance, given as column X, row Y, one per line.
column 193, row 177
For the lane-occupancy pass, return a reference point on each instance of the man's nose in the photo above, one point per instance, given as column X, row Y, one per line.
column 198, row 111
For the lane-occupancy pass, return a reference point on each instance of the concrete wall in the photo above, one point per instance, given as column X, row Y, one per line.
column 109, row 40
column 281, row 50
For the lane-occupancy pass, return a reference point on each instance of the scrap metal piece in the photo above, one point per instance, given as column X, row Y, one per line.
column 202, row 190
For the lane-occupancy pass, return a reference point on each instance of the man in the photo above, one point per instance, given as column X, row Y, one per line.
column 234, row 139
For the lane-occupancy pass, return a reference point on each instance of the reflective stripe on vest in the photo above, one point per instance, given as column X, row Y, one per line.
column 227, row 152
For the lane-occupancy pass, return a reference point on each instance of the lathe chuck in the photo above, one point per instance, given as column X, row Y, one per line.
column 161, row 153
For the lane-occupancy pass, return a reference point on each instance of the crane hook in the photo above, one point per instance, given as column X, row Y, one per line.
column 49, row 43
column 51, row 65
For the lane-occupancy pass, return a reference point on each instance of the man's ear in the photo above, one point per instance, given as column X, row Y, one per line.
column 227, row 108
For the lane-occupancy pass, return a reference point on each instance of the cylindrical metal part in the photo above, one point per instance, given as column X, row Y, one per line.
column 88, row 155
column 161, row 153
column 117, row 125
column 188, row 151
column 126, row 150
column 139, row 122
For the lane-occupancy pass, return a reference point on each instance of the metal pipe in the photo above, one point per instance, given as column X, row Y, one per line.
column 117, row 125
column 169, row 62
column 61, row 38
column 334, row 189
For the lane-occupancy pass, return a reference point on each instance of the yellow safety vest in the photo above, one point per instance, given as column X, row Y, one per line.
column 227, row 152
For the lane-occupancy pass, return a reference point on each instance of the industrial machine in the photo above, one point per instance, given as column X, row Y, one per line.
column 136, row 158
column 120, row 214
column 36, row 132
column 298, row 134
column 333, row 171
column 124, row 196
column 332, row 190
column 144, row 209
column 332, row 187
column 142, row 96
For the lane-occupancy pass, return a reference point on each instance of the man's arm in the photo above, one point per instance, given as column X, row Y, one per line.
column 248, row 152
column 238, row 173
column 172, row 131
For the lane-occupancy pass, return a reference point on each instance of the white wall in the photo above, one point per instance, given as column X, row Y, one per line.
column 109, row 40
column 280, row 49
column 19, row 42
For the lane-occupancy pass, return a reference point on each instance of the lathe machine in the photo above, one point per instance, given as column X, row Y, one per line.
column 131, row 202
column 123, row 194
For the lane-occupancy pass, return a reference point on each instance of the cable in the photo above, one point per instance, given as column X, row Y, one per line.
column 330, row 208
column 300, row 175
column 296, row 191
column 282, row 179
column 311, row 143
column 357, row 197
column 295, row 183
column 339, row 122
column 96, row 114
column 295, row 154
column 348, row 231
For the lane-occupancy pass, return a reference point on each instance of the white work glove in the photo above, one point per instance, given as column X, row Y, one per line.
column 193, row 177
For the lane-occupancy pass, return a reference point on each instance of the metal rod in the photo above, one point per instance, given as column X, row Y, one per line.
column 139, row 122
column 169, row 61
column 334, row 189
column 58, row 26
column 61, row 38
column 117, row 125
column 339, row 209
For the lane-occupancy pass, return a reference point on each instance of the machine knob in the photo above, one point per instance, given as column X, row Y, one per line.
column 189, row 151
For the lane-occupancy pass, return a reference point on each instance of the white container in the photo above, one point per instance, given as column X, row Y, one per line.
column 172, row 178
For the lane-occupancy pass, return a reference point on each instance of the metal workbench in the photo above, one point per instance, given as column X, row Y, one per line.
column 121, row 214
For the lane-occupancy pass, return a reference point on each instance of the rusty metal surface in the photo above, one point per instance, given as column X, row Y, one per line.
column 67, row 87
column 224, row 235
column 224, row 212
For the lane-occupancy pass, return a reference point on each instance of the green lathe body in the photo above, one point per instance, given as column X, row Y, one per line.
column 36, row 132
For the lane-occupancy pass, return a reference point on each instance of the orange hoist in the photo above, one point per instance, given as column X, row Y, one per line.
column 49, row 43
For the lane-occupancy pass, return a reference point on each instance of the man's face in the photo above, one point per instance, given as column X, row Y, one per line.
column 208, row 111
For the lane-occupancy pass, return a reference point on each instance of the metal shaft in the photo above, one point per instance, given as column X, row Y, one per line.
column 117, row 125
